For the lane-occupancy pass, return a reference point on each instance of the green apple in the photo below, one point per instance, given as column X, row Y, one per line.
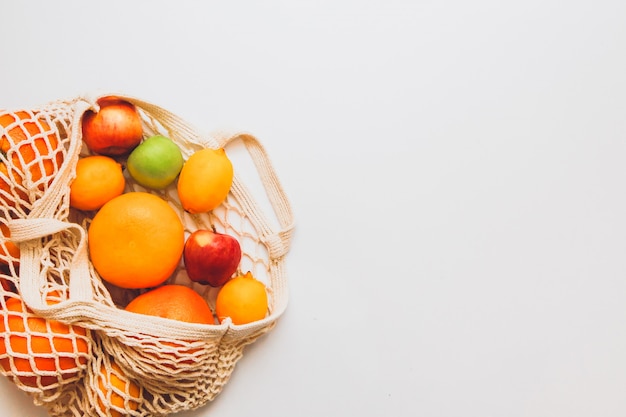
column 155, row 163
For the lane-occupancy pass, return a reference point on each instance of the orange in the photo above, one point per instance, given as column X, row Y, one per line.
column 205, row 180
column 40, row 352
column 23, row 139
column 9, row 251
column 118, row 390
column 98, row 180
column 243, row 299
column 5, row 183
column 176, row 302
column 136, row 240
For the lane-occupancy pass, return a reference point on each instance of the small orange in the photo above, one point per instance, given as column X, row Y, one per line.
column 24, row 138
column 98, row 179
column 40, row 352
column 118, row 391
column 243, row 299
column 136, row 240
column 9, row 251
column 176, row 302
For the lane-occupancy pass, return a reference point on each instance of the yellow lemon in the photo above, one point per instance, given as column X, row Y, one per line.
column 205, row 180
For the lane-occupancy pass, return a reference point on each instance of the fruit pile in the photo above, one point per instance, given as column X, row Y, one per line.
column 136, row 238
column 138, row 244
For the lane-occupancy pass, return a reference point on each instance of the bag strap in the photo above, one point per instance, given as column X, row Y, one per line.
column 41, row 222
column 277, row 241
column 172, row 122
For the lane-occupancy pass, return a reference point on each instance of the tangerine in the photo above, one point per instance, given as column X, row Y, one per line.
column 243, row 299
column 98, row 179
column 39, row 352
column 118, row 390
column 30, row 155
column 136, row 240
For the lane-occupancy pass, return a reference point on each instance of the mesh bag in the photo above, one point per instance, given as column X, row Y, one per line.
column 64, row 335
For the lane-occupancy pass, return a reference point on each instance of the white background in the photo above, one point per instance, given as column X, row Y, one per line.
column 456, row 169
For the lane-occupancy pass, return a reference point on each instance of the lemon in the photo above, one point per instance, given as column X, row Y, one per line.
column 205, row 180
column 155, row 163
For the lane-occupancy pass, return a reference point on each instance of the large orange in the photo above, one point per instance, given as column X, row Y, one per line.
column 24, row 139
column 37, row 351
column 136, row 240
column 176, row 302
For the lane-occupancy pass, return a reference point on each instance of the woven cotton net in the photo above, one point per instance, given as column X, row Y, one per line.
column 65, row 338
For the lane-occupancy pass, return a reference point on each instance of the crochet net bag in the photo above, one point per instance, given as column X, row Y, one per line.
column 65, row 338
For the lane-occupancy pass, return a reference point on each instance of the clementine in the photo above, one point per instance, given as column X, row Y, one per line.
column 98, row 179
column 243, row 299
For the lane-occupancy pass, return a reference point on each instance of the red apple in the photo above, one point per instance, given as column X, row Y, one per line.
column 211, row 258
column 115, row 129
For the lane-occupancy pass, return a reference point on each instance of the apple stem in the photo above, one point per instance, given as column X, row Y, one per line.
column 213, row 228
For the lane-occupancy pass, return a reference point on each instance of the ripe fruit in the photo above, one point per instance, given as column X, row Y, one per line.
column 211, row 258
column 9, row 251
column 24, row 141
column 175, row 302
column 136, row 240
column 37, row 351
column 118, row 390
column 98, row 179
column 155, row 163
column 243, row 299
column 115, row 129
column 205, row 180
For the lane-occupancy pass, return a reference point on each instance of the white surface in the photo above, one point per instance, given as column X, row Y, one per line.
column 456, row 170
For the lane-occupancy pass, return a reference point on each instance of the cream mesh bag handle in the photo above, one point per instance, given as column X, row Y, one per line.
column 177, row 366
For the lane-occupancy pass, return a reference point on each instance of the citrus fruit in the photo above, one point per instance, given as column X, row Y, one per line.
column 30, row 155
column 205, row 180
column 136, row 240
column 37, row 351
column 117, row 390
column 98, row 179
column 155, row 163
column 176, row 302
column 9, row 251
column 243, row 299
